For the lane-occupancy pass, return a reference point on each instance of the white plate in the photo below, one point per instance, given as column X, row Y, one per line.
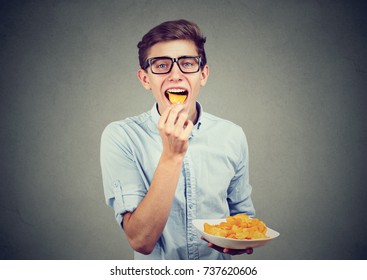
column 231, row 243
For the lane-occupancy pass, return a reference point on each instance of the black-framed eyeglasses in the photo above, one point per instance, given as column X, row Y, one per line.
column 164, row 64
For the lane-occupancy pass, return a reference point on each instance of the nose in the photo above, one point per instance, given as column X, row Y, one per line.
column 175, row 73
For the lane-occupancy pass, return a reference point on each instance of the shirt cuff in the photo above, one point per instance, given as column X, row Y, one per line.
column 124, row 203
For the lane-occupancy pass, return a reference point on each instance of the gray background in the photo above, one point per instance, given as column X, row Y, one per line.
column 293, row 74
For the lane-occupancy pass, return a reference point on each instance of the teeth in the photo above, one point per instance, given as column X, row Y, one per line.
column 176, row 90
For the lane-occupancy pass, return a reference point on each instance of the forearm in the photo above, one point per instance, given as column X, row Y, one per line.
column 144, row 226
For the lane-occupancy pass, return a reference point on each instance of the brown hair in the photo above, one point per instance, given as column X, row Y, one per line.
column 172, row 30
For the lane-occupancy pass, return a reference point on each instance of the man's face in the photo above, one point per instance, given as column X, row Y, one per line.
column 174, row 81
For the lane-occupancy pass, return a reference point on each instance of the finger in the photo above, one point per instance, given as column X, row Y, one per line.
column 163, row 118
column 173, row 115
column 215, row 247
column 180, row 124
column 187, row 130
column 172, row 119
column 233, row 252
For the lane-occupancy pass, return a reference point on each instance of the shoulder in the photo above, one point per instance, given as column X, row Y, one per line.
column 224, row 131
column 130, row 122
column 117, row 130
column 215, row 122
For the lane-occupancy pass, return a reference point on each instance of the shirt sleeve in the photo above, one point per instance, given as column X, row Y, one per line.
column 123, row 185
column 239, row 191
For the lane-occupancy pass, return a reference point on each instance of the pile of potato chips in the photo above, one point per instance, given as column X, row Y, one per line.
column 239, row 226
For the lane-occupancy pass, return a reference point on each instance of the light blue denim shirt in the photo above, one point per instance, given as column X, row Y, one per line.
column 214, row 180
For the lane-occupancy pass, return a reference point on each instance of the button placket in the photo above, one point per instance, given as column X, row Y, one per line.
column 190, row 207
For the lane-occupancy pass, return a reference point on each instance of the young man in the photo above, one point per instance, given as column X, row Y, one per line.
column 174, row 163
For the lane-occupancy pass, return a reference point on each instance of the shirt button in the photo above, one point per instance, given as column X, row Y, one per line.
column 190, row 206
column 191, row 239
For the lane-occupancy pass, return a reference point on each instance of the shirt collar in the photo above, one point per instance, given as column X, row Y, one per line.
column 197, row 126
column 155, row 117
column 155, row 114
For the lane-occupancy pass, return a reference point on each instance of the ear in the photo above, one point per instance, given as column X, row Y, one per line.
column 204, row 75
column 144, row 79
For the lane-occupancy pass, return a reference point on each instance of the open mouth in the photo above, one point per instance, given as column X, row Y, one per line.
column 176, row 96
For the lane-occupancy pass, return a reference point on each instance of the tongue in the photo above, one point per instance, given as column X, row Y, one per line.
column 176, row 98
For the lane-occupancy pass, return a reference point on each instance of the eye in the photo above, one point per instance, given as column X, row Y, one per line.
column 161, row 66
column 189, row 62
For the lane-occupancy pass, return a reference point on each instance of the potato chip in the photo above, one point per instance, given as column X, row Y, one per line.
column 239, row 226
